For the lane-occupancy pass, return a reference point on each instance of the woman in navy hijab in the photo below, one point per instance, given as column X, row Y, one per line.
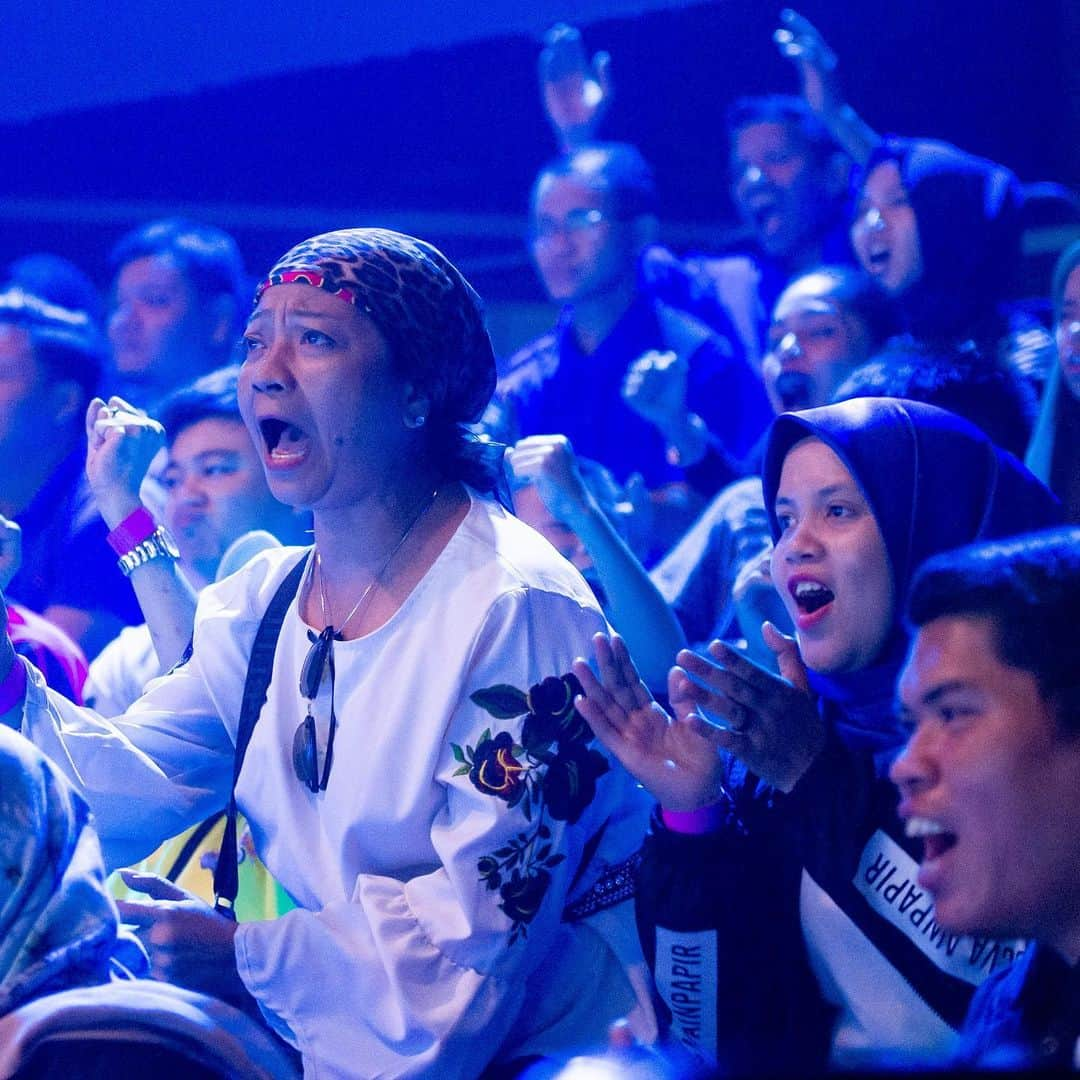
column 777, row 897
column 939, row 230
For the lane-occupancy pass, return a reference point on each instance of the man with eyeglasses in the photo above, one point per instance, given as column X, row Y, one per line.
column 594, row 377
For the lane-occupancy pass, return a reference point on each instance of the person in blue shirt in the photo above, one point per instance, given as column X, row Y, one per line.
column 50, row 365
column 598, row 377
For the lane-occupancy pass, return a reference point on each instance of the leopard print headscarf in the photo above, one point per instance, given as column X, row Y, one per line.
column 427, row 311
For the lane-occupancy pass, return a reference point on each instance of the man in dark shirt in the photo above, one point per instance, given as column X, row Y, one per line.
column 790, row 160
column 990, row 779
column 788, row 181
column 50, row 365
column 592, row 378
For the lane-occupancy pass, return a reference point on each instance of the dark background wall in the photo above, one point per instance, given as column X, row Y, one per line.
column 445, row 140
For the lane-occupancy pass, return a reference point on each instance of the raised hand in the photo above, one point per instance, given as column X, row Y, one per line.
column 770, row 723
column 678, row 759
column 548, row 461
column 121, row 442
column 575, row 92
column 655, row 388
column 799, row 40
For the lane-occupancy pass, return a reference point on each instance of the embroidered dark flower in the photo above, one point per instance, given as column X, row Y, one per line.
column 522, row 895
column 554, row 696
column 552, row 716
column 570, row 781
column 488, row 868
column 495, row 770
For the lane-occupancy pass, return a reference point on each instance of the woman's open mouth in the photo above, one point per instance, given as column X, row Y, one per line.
column 878, row 261
column 795, row 389
column 812, row 599
column 286, row 444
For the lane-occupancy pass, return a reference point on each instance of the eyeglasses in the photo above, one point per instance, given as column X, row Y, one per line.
column 305, row 749
column 576, row 221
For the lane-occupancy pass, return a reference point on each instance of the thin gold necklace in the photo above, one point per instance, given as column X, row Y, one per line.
column 323, row 603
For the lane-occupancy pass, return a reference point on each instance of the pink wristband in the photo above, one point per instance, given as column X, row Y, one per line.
column 707, row 819
column 13, row 688
column 138, row 526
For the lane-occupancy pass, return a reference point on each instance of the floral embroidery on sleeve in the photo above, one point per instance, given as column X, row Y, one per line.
column 551, row 774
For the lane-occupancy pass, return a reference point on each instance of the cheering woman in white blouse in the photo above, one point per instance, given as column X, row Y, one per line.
column 417, row 779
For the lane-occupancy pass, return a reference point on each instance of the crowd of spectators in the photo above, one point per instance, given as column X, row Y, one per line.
column 695, row 689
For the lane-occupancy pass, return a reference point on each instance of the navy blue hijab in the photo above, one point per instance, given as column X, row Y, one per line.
column 933, row 482
column 968, row 212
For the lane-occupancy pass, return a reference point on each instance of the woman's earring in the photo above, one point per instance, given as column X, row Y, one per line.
column 416, row 421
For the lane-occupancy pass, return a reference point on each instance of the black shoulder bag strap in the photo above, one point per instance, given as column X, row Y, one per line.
column 260, row 668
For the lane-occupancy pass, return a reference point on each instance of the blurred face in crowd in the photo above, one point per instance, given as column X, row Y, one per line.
column 830, row 565
column 778, row 187
column 215, row 491
column 530, row 508
column 989, row 780
column 32, row 406
column 159, row 330
column 885, row 234
column 582, row 251
column 814, row 344
column 1068, row 333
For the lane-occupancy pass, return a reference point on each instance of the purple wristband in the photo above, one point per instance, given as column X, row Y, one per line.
column 707, row 819
column 13, row 688
column 138, row 526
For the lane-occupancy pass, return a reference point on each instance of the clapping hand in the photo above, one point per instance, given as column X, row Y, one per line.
column 724, row 704
column 769, row 722
column 678, row 759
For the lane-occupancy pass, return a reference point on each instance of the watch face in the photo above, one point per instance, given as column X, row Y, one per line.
column 168, row 543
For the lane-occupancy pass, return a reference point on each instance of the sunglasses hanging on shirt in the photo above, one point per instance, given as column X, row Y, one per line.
column 320, row 659
column 305, row 749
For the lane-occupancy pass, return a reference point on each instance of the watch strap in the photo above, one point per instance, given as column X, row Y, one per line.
column 138, row 526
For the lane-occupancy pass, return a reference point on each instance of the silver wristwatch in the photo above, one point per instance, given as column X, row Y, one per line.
column 158, row 545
